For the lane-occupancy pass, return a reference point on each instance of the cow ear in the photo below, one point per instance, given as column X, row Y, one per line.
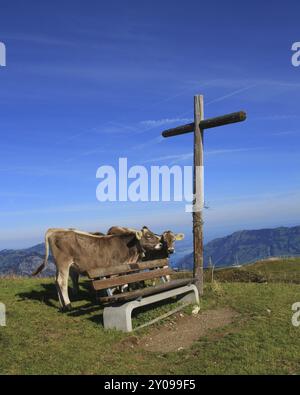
column 139, row 234
column 179, row 236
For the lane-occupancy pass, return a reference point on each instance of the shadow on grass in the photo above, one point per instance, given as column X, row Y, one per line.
column 47, row 294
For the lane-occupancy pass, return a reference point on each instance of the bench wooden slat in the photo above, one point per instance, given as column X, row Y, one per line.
column 127, row 268
column 126, row 296
column 130, row 278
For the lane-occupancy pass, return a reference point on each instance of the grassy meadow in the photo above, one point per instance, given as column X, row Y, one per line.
column 39, row 339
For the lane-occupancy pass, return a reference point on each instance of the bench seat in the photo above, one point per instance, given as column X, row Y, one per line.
column 140, row 293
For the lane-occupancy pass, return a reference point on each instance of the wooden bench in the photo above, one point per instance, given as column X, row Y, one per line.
column 118, row 305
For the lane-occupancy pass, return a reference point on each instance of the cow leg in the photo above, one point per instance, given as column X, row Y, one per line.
column 59, row 293
column 62, row 289
column 166, row 278
column 75, row 281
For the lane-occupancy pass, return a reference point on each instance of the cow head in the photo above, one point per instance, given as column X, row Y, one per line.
column 168, row 239
column 149, row 241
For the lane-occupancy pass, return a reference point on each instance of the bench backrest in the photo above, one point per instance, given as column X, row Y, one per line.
column 114, row 276
column 127, row 268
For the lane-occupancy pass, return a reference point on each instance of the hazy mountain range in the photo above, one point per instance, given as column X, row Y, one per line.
column 238, row 248
column 247, row 246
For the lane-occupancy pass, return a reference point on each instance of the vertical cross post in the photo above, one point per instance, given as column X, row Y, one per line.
column 198, row 194
column 198, row 127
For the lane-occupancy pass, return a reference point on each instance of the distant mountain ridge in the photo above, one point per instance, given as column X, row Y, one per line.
column 249, row 245
column 23, row 262
column 238, row 248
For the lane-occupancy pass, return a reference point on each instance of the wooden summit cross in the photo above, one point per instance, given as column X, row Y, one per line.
column 198, row 127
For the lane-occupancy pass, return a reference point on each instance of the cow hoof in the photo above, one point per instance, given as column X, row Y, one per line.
column 66, row 308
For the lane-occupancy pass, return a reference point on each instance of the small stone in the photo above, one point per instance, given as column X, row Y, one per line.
column 196, row 310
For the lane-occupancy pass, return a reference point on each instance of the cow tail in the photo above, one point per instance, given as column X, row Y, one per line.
column 44, row 264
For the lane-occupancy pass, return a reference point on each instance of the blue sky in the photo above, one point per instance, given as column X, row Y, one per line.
column 89, row 82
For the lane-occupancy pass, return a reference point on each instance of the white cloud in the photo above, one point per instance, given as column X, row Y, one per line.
column 287, row 132
column 275, row 117
column 260, row 211
column 171, row 158
column 182, row 157
column 231, row 150
column 51, row 210
column 165, row 121
column 38, row 39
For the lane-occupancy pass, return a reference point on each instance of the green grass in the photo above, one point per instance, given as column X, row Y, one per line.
column 287, row 271
column 38, row 339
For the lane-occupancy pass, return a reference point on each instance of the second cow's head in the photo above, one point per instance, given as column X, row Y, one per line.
column 168, row 239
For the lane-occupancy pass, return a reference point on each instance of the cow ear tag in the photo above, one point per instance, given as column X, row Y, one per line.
column 179, row 236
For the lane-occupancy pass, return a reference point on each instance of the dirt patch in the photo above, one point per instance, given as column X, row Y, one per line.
column 182, row 330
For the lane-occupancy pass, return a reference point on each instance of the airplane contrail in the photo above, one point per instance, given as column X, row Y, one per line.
column 231, row 94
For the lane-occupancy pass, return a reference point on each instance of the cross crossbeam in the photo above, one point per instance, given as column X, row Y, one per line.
column 206, row 124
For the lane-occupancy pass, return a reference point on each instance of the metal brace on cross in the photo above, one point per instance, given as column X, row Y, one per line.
column 198, row 126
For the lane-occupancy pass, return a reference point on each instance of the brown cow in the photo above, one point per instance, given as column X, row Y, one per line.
column 84, row 251
column 167, row 240
column 167, row 246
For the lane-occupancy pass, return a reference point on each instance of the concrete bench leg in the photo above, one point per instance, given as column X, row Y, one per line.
column 119, row 316
column 192, row 296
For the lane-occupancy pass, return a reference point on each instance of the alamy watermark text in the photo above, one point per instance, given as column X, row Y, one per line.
column 296, row 55
column 161, row 183
column 2, row 54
